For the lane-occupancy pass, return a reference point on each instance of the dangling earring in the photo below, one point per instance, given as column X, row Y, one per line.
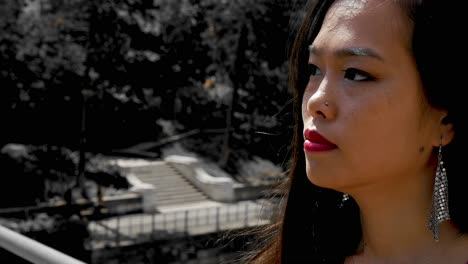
column 344, row 198
column 440, row 205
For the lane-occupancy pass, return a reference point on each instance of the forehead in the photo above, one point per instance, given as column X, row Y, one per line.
column 373, row 22
column 349, row 9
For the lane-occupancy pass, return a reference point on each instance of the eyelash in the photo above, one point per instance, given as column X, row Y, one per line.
column 350, row 71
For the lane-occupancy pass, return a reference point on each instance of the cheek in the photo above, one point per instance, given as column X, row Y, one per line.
column 384, row 131
column 368, row 114
column 368, row 123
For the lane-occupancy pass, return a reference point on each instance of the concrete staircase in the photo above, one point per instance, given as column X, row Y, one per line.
column 171, row 188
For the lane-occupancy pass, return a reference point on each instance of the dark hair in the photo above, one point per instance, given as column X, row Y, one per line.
column 316, row 226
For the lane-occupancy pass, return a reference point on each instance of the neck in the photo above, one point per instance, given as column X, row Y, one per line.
column 395, row 219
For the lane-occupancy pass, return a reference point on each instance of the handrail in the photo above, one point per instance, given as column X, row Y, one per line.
column 185, row 222
column 32, row 250
column 144, row 147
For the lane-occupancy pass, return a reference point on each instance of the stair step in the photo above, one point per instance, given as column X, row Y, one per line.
column 168, row 179
column 179, row 192
column 162, row 169
column 181, row 195
column 158, row 176
column 176, row 188
column 159, row 173
column 183, row 190
column 178, row 201
column 162, row 174
column 171, row 187
column 155, row 176
column 168, row 183
column 176, row 195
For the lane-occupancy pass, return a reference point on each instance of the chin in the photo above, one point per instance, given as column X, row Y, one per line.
column 333, row 182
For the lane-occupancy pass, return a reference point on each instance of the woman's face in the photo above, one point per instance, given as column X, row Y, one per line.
column 365, row 97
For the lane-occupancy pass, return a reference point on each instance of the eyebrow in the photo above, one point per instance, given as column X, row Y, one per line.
column 349, row 52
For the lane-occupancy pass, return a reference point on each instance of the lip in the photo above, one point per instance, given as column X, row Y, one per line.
column 314, row 142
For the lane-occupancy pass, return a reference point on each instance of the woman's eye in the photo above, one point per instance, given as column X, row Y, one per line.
column 357, row 75
column 313, row 70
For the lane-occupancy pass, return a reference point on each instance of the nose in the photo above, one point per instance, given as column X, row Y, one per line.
column 320, row 103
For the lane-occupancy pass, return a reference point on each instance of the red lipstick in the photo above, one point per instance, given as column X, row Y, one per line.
column 315, row 142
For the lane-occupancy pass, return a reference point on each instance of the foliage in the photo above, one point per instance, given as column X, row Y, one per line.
column 109, row 70
column 46, row 53
column 248, row 43
column 31, row 171
column 106, row 174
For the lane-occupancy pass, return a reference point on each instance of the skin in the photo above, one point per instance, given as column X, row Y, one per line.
column 386, row 133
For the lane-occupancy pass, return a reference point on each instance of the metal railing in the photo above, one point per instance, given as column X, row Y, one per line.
column 189, row 222
column 32, row 250
column 126, row 229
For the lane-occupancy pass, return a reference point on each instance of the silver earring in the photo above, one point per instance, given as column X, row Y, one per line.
column 440, row 204
column 345, row 197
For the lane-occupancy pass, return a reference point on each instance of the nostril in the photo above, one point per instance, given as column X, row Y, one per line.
column 320, row 114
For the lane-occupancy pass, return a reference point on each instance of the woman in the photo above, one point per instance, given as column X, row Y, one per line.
column 378, row 174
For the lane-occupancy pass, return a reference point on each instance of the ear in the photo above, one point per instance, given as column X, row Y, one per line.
column 446, row 132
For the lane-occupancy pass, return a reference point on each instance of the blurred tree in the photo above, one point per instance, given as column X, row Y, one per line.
column 45, row 53
column 248, row 43
column 34, row 174
column 105, row 174
column 143, row 61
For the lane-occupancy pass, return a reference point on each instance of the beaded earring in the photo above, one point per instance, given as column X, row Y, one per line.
column 440, row 204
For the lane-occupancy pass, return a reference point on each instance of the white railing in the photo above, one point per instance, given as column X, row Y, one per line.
column 195, row 221
column 32, row 250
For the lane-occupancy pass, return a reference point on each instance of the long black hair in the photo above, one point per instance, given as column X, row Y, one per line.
column 316, row 225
